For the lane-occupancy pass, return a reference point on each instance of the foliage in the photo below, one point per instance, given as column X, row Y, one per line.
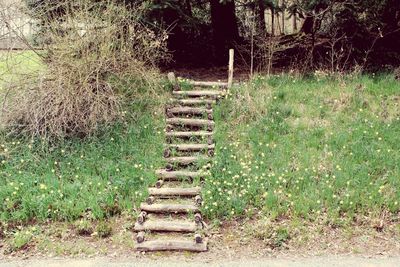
column 368, row 30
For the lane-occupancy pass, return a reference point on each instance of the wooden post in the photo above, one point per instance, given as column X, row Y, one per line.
column 173, row 81
column 230, row 72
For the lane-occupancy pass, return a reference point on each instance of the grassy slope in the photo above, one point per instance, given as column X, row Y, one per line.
column 305, row 148
column 290, row 148
column 97, row 177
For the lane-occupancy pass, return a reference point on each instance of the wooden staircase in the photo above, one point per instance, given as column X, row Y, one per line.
column 170, row 219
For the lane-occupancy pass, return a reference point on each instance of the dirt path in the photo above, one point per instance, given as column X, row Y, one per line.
column 117, row 262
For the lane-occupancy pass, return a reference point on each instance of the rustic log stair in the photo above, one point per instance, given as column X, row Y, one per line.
column 170, row 219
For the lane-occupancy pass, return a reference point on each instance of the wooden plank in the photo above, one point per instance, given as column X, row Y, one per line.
column 208, row 84
column 190, row 191
column 186, row 160
column 194, row 101
column 230, row 68
column 175, row 245
column 197, row 93
column 176, row 175
column 190, row 122
column 188, row 110
column 167, row 226
column 191, row 147
column 168, row 208
column 189, row 134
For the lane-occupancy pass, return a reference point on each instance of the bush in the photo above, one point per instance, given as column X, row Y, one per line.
column 98, row 57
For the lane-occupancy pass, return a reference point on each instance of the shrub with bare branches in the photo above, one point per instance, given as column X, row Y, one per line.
column 97, row 57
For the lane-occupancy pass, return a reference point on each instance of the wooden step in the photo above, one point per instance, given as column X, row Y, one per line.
column 190, row 147
column 189, row 134
column 167, row 226
column 190, row 122
column 175, row 245
column 168, row 208
column 186, row 160
column 176, row 175
column 188, row 110
column 208, row 84
column 194, row 101
column 196, row 93
column 166, row 192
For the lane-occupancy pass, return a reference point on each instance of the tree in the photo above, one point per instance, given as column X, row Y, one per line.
column 224, row 27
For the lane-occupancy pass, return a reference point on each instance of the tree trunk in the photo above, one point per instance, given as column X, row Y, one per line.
column 308, row 25
column 272, row 21
column 283, row 17
column 261, row 17
column 225, row 28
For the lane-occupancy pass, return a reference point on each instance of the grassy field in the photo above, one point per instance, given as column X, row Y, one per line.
column 306, row 148
column 314, row 149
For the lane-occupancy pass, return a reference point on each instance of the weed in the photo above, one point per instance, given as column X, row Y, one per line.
column 103, row 229
column 84, row 227
column 21, row 239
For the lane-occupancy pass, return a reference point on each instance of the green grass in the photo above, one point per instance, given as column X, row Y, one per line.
column 287, row 147
column 97, row 177
column 307, row 147
column 16, row 65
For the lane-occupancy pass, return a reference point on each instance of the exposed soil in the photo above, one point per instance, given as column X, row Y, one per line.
column 230, row 242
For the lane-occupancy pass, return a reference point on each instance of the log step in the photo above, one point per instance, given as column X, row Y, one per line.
column 176, row 245
column 189, row 110
column 189, row 134
column 186, row 160
column 190, row 122
column 208, row 84
column 167, row 226
column 191, row 147
column 194, row 101
column 166, row 192
column 168, row 208
column 176, row 175
column 205, row 93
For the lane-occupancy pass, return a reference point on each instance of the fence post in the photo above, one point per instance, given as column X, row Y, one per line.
column 230, row 71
